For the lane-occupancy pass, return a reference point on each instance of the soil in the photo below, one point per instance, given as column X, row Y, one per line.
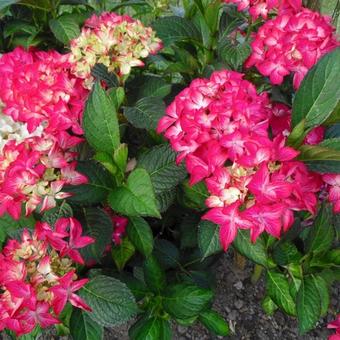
column 239, row 302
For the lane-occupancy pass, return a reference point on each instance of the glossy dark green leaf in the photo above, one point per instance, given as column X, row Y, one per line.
column 146, row 113
column 154, row 275
column 82, row 327
column 308, row 305
column 64, row 28
column 160, row 163
column 97, row 224
column 319, row 91
column 96, row 190
column 321, row 234
column 122, row 253
column 111, row 301
column 140, row 234
column 278, row 290
column 254, row 251
column 209, row 238
column 184, row 300
column 285, row 253
column 150, row 329
column 172, row 29
column 100, row 121
column 100, row 72
column 214, row 323
column 320, row 158
column 136, row 197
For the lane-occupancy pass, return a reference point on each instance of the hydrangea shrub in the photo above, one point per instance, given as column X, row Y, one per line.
column 140, row 141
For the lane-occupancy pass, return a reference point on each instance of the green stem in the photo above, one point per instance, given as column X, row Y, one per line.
column 256, row 274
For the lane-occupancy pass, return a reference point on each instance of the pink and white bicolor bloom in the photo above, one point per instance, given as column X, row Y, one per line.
column 261, row 8
column 118, row 42
column 38, row 276
column 291, row 43
column 41, row 105
column 220, row 127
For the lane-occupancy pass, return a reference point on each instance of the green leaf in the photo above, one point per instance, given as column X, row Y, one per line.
column 321, row 234
column 285, row 253
column 160, row 163
column 120, row 157
column 136, row 197
column 214, row 323
column 154, row 275
column 319, row 92
column 122, row 253
column 165, row 199
column 8, row 225
column 333, row 131
column 173, row 29
column 208, row 238
column 278, row 290
column 322, row 288
column 98, row 186
column 83, row 327
column 189, row 234
column 137, row 287
column 333, row 256
column 18, row 26
column 150, row 329
column 332, row 143
column 100, row 72
column 254, row 251
column 140, row 234
column 43, row 5
column 146, row 113
column 234, row 55
column 308, row 305
column 185, row 300
column 111, row 301
column 166, row 253
column 5, row 3
column 320, row 159
column 52, row 215
column 212, row 15
column 230, row 20
column 154, row 86
column 193, row 196
column 269, row 305
column 100, row 121
column 97, row 224
column 64, row 28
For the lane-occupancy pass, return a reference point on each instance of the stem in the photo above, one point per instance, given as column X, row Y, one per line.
column 256, row 274
column 239, row 260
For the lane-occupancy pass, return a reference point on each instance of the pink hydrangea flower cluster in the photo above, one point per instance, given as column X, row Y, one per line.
column 118, row 42
column 291, row 43
column 280, row 123
column 41, row 102
column 38, row 276
column 263, row 7
column 220, row 127
column 335, row 325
